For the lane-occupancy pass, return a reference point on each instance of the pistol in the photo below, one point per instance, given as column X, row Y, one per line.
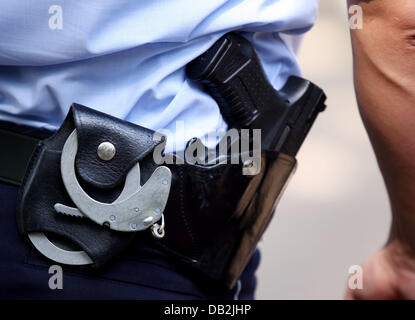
column 232, row 73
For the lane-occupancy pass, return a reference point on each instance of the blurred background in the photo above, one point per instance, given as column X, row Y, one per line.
column 335, row 212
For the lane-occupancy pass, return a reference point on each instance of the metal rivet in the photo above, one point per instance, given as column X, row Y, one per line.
column 106, row 151
column 157, row 210
column 165, row 182
column 112, row 218
column 147, row 221
column 136, row 209
column 133, row 226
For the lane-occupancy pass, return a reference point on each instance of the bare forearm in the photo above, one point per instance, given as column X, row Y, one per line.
column 384, row 64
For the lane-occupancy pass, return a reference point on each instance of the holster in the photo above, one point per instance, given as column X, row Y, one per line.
column 217, row 215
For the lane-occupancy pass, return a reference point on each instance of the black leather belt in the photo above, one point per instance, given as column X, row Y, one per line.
column 16, row 150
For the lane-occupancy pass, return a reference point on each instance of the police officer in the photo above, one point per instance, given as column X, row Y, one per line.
column 127, row 59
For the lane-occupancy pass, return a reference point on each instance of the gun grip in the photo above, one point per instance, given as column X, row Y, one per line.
column 232, row 73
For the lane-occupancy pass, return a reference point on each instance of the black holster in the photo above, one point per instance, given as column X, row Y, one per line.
column 217, row 215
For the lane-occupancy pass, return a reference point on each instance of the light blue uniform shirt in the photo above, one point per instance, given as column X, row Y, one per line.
column 127, row 57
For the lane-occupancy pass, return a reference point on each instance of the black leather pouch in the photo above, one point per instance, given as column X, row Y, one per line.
column 43, row 187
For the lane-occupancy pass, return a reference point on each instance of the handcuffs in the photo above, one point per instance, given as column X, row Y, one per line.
column 123, row 214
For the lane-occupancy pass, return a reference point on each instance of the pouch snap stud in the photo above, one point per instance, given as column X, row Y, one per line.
column 106, row 151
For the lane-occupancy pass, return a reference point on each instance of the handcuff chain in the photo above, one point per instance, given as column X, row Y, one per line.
column 158, row 230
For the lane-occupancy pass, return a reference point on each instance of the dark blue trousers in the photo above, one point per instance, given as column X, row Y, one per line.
column 143, row 273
